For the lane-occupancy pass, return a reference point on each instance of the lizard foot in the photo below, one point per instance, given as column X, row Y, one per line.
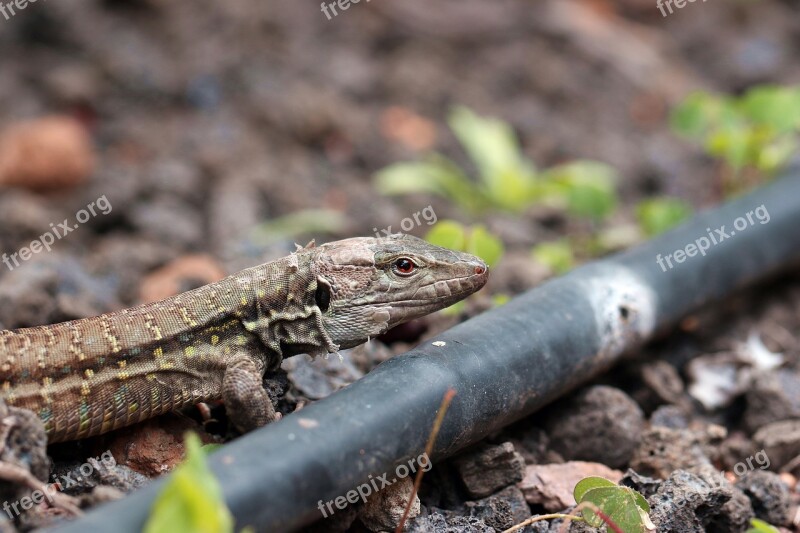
column 247, row 403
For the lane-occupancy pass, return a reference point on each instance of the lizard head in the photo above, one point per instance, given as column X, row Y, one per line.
column 366, row 285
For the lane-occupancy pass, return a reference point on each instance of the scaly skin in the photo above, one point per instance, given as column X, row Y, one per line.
column 86, row 377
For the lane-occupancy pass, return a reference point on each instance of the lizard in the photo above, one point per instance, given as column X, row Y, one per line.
column 89, row 376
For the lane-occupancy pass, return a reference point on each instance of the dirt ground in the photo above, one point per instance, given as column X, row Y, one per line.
column 197, row 122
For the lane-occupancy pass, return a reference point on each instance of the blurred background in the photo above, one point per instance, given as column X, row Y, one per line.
column 539, row 127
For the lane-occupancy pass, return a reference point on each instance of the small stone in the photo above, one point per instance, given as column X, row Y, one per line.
column 663, row 382
column 616, row 422
column 669, row 416
column 182, row 274
column 780, row 441
column 551, row 486
column 686, row 502
column 772, row 396
column 155, row 446
column 663, row 450
column 384, row 509
column 502, row 509
column 489, row 467
column 45, row 153
column 769, row 495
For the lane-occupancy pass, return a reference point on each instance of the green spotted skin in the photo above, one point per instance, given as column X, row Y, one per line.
column 86, row 377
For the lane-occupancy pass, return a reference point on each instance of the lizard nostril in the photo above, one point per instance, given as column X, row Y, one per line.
column 479, row 270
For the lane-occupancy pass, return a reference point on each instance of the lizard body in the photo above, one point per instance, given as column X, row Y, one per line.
column 86, row 377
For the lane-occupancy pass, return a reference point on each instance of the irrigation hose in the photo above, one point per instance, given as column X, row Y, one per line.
column 504, row 365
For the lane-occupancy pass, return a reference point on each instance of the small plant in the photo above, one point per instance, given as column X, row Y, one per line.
column 603, row 502
column 192, row 499
column 558, row 256
column 657, row 215
column 507, row 180
column 624, row 506
column 476, row 240
column 755, row 134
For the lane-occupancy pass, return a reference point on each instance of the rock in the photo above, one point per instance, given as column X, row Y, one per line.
column 448, row 522
column 182, row 274
column 24, row 447
column 489, row 467
column 716, row 379
column 646, row 486
column 686, row 503
column 772, row 396
column 663, row 384
column 780, row 441
column 601, row 424
column 735, row 447
column 533, row 444
column 384, row 509
column 551, row 485
column 502, row 509
column 663, row 450
column 316, row 378
column 734, row 516
column 769, row 496
column 46, row 153
column 669, row 416
column 101, row 471
column 155, row 446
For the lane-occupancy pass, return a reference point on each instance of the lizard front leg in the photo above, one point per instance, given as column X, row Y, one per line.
column 246, row 401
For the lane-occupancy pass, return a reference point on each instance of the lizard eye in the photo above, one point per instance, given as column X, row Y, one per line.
column 404, row 266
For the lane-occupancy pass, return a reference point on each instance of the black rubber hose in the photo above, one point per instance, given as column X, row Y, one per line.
column 504, row 364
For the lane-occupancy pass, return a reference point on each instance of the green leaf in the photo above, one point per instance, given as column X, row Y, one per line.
column 760, row 526
column 588, row 483
column 484, row 245
column 448, row 234
column 773, row 106
column 436, row 175
column 734, row 144
column 619, row 504
column 657, row 215
column 587, row 186
column 701, row 112
column 476, row 240
column 507, row 176
column 555, row 255
column 777, row 153
column 626, row 507
column 192, row 499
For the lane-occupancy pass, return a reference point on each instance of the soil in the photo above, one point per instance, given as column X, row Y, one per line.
column 198, row 122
